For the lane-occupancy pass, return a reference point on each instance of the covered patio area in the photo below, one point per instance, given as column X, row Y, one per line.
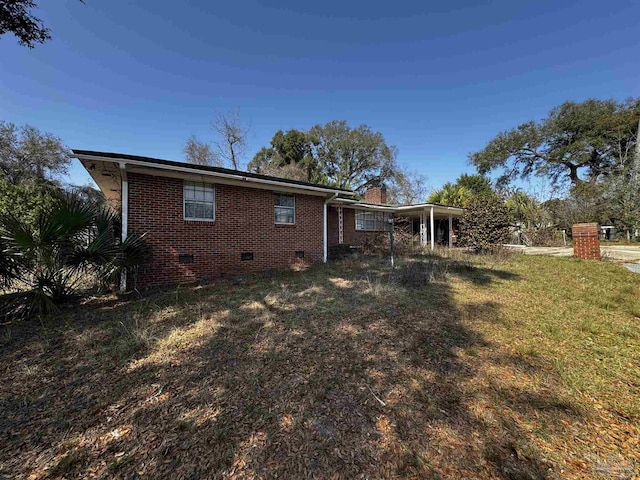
column 351, row 222
column 432, row 224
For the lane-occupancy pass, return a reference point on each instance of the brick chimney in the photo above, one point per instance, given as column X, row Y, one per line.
column 376, row 195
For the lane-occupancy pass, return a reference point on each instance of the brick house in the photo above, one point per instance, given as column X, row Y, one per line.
column 203, row 222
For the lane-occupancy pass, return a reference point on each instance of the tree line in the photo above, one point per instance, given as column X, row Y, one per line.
column 586, row 150
column 333, row 154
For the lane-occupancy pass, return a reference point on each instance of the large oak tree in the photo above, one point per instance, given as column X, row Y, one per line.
column 578, row 141
column 355, row 158
column 335, row 154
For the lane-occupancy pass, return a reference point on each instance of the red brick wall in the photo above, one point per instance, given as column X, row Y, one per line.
column 333, row 229
column 244, row 222
column 351, row 236
column 586, row 244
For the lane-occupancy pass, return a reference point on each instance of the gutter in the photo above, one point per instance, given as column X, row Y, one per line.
column 124, row 214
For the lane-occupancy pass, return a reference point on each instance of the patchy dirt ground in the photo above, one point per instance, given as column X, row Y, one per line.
column 620, row 253
column 458, row 368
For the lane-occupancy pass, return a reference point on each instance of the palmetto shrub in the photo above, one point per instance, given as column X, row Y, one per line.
column 43, row 263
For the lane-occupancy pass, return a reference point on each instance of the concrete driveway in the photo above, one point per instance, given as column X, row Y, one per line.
column 619, row 253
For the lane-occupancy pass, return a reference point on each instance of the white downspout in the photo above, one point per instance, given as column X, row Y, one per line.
column 432, row 225
column 450, row 231
column 124, row 210
column 325, row 230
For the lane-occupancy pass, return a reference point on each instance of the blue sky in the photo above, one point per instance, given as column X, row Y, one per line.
column 438, row 79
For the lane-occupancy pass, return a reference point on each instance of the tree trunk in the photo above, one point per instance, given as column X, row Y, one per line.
column 573, row 174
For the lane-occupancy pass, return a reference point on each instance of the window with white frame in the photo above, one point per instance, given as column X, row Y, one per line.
column 372, row 221
column 285, row 209
column 199, row 201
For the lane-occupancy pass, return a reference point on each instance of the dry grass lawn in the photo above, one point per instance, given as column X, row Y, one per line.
column 520, row 368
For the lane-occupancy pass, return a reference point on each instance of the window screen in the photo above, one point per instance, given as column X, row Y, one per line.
column 285, row 208
column 199, row 201
column 372, row 221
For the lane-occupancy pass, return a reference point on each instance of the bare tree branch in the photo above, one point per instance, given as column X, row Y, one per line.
column 200, row 153
column 232, row 140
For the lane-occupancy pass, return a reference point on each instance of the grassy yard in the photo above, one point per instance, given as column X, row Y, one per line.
column 526, row 367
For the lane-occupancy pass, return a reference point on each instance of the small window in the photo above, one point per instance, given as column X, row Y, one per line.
column 185, row 258
column 285, row 209
column 300, row 254
column 372, row 221
column 199, row 201
column 244, row 256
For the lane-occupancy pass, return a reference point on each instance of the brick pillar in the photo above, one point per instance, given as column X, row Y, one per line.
column 586, row 244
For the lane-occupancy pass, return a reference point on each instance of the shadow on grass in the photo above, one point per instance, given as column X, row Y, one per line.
column 338, row 372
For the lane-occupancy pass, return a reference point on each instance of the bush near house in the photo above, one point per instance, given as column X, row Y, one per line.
column 485, row 224
column 405, row 242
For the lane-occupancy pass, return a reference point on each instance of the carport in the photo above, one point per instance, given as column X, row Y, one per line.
column 435, row 224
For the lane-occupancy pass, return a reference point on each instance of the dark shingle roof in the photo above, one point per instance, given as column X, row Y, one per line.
column 227, row 171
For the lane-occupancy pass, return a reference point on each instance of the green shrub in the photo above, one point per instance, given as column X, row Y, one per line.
column 43, row 262
column 485, row 224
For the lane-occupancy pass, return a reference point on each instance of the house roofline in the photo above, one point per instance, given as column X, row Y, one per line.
column 352, row 203
column 170, row 165
column 428, row 205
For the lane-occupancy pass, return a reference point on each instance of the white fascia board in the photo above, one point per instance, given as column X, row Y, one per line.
column 351, row 203
column 429, row 205
column 379, row 208
column 400, row 209
column 204, row 173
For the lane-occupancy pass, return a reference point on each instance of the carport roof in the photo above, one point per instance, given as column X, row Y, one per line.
column 405, row 209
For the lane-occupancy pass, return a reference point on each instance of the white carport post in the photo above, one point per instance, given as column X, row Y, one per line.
column 432, row 229
column 325, row 248
column 450, row 231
